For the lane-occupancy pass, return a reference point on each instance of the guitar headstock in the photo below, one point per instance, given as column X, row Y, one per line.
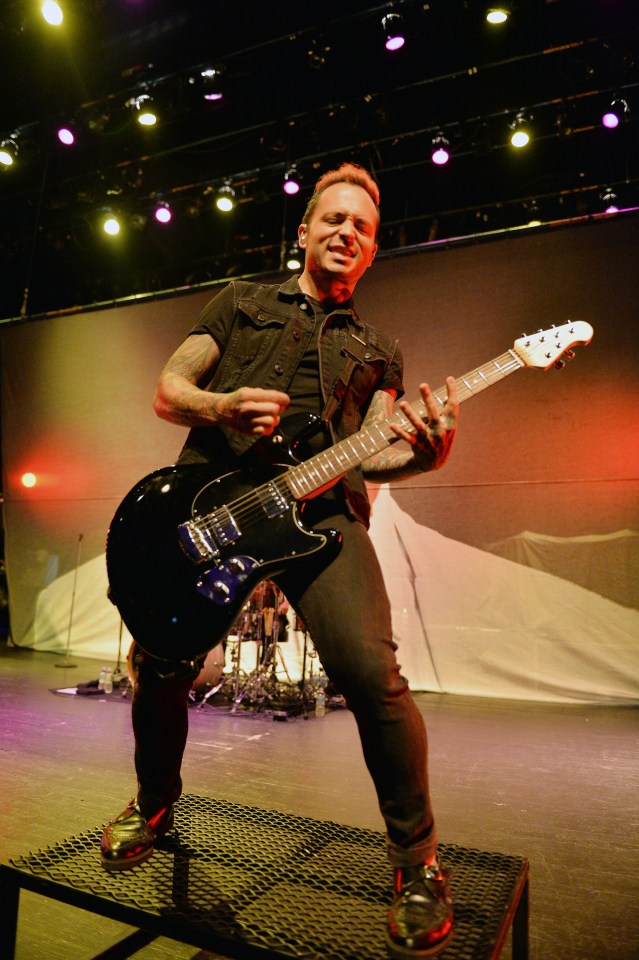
column 547, row 347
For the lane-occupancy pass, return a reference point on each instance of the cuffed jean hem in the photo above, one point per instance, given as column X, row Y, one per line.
column 411, row 856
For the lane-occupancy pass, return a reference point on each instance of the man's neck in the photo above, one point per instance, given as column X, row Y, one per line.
column 332, row 291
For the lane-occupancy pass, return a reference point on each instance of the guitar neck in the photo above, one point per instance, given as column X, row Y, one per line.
column 326, row 467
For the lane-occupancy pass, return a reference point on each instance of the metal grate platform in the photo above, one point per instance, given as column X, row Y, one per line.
column 254, row 884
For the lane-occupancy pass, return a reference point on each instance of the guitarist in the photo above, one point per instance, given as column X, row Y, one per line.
column 259, row 352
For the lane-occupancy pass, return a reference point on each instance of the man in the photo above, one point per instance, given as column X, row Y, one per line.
column 256, row 353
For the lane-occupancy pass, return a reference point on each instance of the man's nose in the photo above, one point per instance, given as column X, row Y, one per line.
column 347, row 229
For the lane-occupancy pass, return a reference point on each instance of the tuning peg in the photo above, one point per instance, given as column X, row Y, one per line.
column 569, row 354
column 560, row 364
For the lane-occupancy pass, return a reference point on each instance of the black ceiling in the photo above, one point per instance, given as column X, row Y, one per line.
column 308, row 83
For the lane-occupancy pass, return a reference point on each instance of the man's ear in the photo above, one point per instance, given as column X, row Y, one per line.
column 301, row 235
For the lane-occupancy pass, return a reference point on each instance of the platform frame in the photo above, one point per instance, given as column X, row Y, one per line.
column 253, row 884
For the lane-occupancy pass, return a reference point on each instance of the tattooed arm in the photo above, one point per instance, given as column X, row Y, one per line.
column 179, row 397
column 430, row 440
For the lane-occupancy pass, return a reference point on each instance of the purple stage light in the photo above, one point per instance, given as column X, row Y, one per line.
column 65, row 136
column 392, row 25
column 162, row 213
column 395, row 43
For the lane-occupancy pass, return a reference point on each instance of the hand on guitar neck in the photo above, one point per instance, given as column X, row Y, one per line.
column 432, row 435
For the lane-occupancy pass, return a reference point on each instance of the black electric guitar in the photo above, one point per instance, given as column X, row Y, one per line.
column 189, row 543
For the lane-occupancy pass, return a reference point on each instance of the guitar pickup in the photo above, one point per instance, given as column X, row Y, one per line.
column 224, row 526
column 273, row 500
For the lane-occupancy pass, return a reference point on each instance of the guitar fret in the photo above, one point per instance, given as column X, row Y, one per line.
column 384, row 436
column 340, row 453
column 349, row 442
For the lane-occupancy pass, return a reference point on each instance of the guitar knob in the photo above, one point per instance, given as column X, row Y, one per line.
column 235, row 565
column 220, row 589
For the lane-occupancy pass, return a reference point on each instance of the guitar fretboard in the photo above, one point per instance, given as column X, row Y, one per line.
column 305, row 478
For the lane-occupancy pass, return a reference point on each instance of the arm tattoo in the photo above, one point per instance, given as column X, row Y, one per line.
column 390, row 463
column 192, row 360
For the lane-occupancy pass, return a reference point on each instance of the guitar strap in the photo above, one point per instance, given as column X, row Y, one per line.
column 354, row 353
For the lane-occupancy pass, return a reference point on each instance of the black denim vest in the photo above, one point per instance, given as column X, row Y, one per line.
column 270, row 333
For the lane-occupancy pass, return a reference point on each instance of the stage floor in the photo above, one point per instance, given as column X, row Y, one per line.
column 555, row 784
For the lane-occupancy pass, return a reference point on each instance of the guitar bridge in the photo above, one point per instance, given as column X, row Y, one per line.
column 197, row 542
column 202, row 537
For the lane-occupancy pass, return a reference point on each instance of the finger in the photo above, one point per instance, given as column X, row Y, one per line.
column 411, row 415
column 276, row 397
column 431, row 402
column 263, row 412
column 452, row 397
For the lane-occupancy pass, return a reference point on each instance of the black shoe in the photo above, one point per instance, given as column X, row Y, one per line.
column 129, row 839
column 420, row 920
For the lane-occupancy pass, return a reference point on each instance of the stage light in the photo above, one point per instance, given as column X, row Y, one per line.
column 392, row 25
column 520, row 135
column 111, row 224
column 225, row 199
column 291, row 184
column 8, row 152
column 162, row 212
column 52, row 13
column 496, row 15
column 294, row 257
column 534, row 216
column 66, row 136
column 28, row 479
column 616, row 112
column 610, row 200
column 211, row 84
column 440, row 150
column 145, row 109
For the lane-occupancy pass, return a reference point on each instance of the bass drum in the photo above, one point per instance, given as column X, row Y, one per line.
column 208, row 677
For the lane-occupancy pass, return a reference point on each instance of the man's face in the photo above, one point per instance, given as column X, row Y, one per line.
column 340, row 238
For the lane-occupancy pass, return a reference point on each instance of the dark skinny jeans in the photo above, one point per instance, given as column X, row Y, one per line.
column 346, row 609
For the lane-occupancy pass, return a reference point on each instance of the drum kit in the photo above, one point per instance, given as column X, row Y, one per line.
column 259, row 676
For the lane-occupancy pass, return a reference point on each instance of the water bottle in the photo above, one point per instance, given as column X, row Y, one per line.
column 320, row 697
column 108, row 680
column 102, row 678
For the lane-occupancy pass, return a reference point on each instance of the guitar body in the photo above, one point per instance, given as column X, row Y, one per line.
column 177, row 608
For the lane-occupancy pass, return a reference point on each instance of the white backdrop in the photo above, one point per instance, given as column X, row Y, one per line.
column 513, row 572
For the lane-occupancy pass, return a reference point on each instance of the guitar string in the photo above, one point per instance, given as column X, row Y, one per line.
column 249, row 506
